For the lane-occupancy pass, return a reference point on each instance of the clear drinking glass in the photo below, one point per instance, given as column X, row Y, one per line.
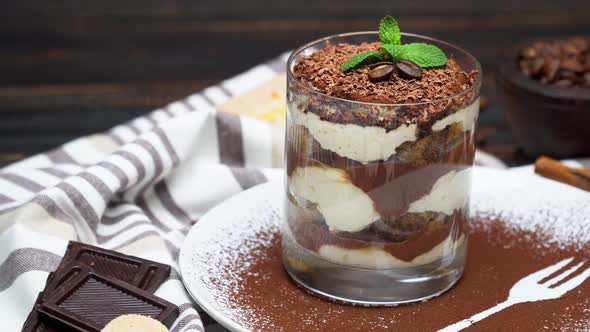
column 377, row 217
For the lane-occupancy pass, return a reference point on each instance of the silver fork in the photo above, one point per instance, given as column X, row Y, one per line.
column 529, row 289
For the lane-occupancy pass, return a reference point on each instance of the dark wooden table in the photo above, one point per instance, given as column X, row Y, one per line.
column 69, row 68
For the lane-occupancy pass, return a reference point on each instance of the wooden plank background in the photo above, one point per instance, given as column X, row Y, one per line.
column 69, row 68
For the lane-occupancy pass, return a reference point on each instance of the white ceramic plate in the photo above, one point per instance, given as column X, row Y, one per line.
column 501, row 191
column 259, row 202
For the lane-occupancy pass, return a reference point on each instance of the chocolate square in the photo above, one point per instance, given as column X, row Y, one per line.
column 82, row 259
column 139, row 272
column 90, row 301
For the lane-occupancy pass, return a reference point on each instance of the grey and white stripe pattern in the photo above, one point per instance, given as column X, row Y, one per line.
column 137, row 188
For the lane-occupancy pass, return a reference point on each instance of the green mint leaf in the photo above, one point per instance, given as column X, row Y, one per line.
column 393, row 51
column 424, row 55
column 361, row 59
column 389, row 32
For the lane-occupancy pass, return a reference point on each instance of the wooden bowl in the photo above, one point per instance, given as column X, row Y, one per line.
column 545, row 119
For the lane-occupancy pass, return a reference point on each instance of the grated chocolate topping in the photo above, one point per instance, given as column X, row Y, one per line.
column 321, row 72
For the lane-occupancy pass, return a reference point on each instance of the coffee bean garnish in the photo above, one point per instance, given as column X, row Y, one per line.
column 380, row 73
column 377, row 64
column 562, row 63
column 409, row 70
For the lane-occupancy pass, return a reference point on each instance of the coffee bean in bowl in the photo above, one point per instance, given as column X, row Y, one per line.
column 544, row 86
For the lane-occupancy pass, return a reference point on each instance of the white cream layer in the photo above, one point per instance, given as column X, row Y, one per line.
column 344, row 206
column 449, row 193
column 372, row 143
column 363, row 144
column 376, row 258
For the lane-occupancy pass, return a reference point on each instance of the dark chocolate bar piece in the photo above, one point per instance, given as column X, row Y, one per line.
column 33, row 322
column 61, row 278
column 36, row 323
column 88, row 301
column 139, row 272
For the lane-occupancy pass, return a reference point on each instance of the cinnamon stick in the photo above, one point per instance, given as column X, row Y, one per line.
column 553, row 169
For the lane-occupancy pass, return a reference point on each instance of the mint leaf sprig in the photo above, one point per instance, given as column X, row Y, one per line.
column 422, row 54
column 389, row 32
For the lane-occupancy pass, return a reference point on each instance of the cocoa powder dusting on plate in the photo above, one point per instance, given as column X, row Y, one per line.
column 258, row 293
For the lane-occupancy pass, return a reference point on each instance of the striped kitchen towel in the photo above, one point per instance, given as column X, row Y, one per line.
column 140, row 187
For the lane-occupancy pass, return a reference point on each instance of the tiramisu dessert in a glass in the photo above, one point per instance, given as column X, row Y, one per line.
column 379, row 147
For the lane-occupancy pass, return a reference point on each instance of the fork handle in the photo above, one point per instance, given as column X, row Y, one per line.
column 458, row 326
